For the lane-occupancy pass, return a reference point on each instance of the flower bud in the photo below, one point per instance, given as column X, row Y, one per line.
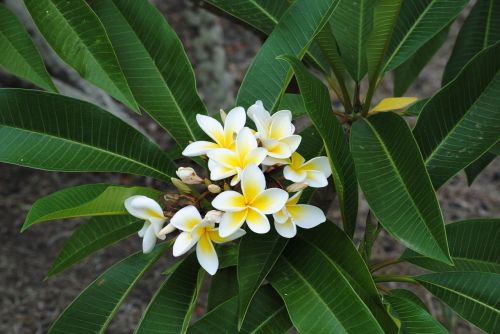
column 296, row 187
column 182, row 187
column 213, row 216
column 222, row 115
column 188, row 175
column 214, row 189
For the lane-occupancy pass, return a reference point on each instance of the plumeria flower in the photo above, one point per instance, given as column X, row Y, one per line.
column 148, row 209
column 223, row 136
column 292, row 215
column 275, row 132
column 224, row 163
column 314, row 172
column 201, row 232
column 188, row 175
column 251, row 206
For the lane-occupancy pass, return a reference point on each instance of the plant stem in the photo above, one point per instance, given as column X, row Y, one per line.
column 383, row 264
column 343, row 94
column 356, row 103
column 369, row 95
column 395, row 278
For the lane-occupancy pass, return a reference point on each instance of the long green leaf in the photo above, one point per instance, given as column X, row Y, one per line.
column 473, row 295
column 475, row 168
column 461, row 122
column 53, row 132
column 155, row 65
column 93, row 309
column 352, row 23
column 96, row 234
column 19, row 54
column 86, row 200
column 73, row 30
column 473, row 245
column 257, row 256
column 481, row 29
column 319, row 110
column 267, row 78
column 393, row 178
column 171, row 308
column 417, row 23
column 414, row 318
column 294, row 103
column 223, row 287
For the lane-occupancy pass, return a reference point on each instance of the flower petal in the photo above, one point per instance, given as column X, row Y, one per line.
column 286, row 229
column 255, row 156
column 225, row 157
column 257, row 221
column 231, row 222
column 297, row 160
column 207, row 257
column 306, row 216
column 229, row 201
column 316, row 179
column 142, row 231
column 293, row 142
column 234, row 122
column 144, row 208
column 149, row 240
column 169, row 228
column 270, row 200
column 212, row 128
column 269, row 161
column 184, row 242
column 294, row 175
column 186, row 219
column 253, row 182
column 245, row 143
column 260, row 116
column 199, row 148
column 281, row 216
column 318, row 164
column 281, row 124
column 215, row 236
column 276, row 149
column 294, row 199
column 218, row 171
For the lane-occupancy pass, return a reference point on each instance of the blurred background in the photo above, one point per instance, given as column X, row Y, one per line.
column 220, row 50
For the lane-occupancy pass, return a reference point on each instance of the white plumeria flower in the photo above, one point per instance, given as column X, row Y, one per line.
column 201, row 232
column 148, row 209
column 223, row 136
column 314, row 172
column 251, row 206
column 224, row 163
column 292, row 215
column 275, row 132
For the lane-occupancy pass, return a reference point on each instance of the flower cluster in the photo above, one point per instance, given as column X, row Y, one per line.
column 243, row 162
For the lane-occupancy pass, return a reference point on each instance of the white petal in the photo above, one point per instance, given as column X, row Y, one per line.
column 207, row 257
column 234, row 122
column 306, row 216
column 218, row 171
column 293, row 142
column 281, row 124
column 229, row 201
column 287, row 229
column 255, row 156
column 257, row 221
column 215, row 236
column 269, row 161
column 212, row 128
column 186, row 219
column 225, row 157
column 157, row 226
column 294, row 175
column 143, row 229
column 294, row 199
column 270, row 200
column 318, row 164
column 253, row 182
column 149, row 240
column 184, row 242
column 281, row 216
column 276, row 149
column 231, row 222
column 144, row 208
column 245, row 143
column 260, row 116
column 199, row 148
column 167, row 229
column 316, row 179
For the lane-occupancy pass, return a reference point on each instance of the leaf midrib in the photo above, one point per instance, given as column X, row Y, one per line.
column 488, row 24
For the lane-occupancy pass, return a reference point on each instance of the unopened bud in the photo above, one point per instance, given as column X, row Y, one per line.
column 214, row 189
column 181, row 186
column 295, row 187
column 213, row 217
column 169, row 228
column 188, row 175
column 222, row 115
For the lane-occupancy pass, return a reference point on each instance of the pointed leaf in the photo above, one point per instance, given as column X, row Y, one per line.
column 86, row 200
column 96, row 234
column 392, row 175
column 267, row 77
column 319, row 110
column 475, row 168
column 393, row 103
column 473, row 245
column 73, row 30
column 19, row 54
column 294, row 103
column 171, row 308
column 461, row 122
column 53, row 132
column 93, row 309
column 474, row 296
column 155, row 65
column 223, row 287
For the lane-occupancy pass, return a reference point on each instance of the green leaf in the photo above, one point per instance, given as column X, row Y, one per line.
column 19, row 54
column 86, row 200
column 257, row 256
column 73, row 30
column 474, row 296
column 312, row 144
column 294, row 103
column 417, row 23
column 416, row 108
column 495, row 149
column 393, row 178
column 155, row 65
column 93, row 309
column 414, row 318
column 406, row 73
column 473, row 245
column 319, row 110
column 171, row 308
column 267, row 314
column 228, row 255
column 96, row 234
column 476, row 167
column 223, row 287
column 53, row 132
column 267, row 78
column 351, row 25
column 481, row 29
column 461, row 122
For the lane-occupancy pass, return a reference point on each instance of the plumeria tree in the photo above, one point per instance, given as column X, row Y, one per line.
column 243, row 213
